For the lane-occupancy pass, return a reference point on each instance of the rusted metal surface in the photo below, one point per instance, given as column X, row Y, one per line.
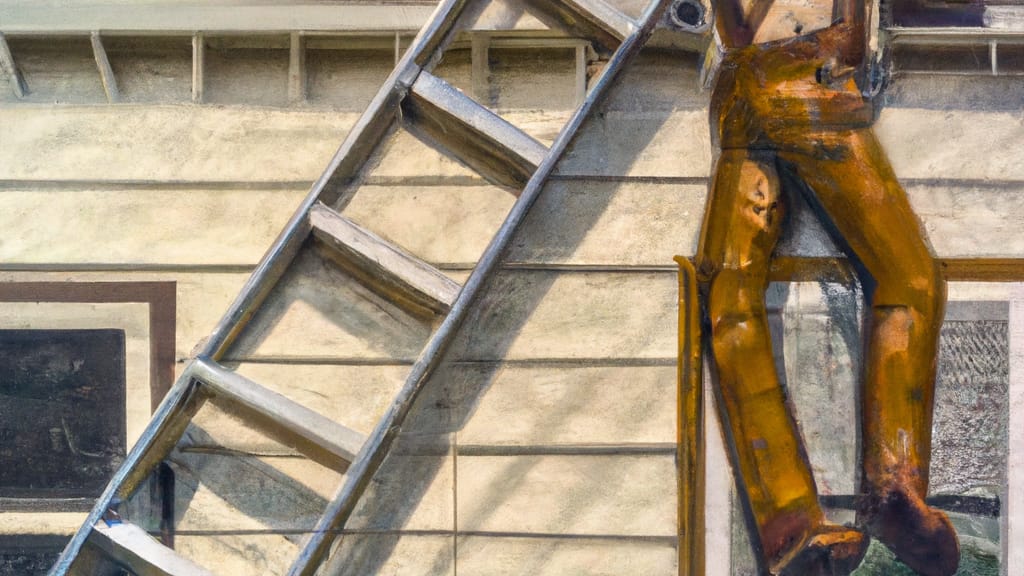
column 690, row 420
column 787, row 115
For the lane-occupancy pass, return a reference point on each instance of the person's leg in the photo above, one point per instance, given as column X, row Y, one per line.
column 852, row 180
column 741, row 227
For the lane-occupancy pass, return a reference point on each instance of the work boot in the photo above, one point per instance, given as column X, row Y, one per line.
column 831, row 550
column 921, row 537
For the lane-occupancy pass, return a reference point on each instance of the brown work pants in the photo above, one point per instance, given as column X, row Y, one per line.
column 854, row 185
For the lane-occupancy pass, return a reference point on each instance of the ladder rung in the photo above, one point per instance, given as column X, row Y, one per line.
column 480, row 138
column 315, row 435
column 400, row 276
column 132, row 547
column 602, row 15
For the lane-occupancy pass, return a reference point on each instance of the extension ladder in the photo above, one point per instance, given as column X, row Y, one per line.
column 410, row 98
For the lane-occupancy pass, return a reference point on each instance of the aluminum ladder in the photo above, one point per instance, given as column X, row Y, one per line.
column 414, row 99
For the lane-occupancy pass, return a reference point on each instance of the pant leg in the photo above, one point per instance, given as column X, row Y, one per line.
column 854, row 183
column 741, row 227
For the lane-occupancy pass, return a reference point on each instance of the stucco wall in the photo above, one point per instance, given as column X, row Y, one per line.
column 546, row 442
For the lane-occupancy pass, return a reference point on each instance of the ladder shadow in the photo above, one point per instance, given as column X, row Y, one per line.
column 495, row 322
column 315, row 296
column 244, row 496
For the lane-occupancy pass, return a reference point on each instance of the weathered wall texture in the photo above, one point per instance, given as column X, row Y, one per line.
column 546, row 442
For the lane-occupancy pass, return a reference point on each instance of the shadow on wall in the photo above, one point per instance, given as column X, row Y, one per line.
column 475, row 360
column 552, row 232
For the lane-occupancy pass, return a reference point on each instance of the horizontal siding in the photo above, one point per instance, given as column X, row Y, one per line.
column 920, row 143
column 411, row 554
column 444, row 224
column 168, row 143
column 628, row 143
column 584, row 495
column 953, row 144
column 544, row 444
column 233, row 493
column 972, row 220
column 142, row 226
column 354, row 395
column 508, row 556
column 572, row 315
column 546, row 406
column 348, row 320
column 240, row 554
column 201, row 143
column 387, row 506
column 201, row 297
column 628, row 223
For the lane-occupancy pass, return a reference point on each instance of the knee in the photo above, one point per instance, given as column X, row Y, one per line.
column 736, row 311
column 918, row 290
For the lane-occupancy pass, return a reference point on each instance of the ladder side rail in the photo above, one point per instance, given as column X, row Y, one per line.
column 360, row 143
column 356, row 149
column 604, row 15
column 332, row 188
column 171, row 414
column 604, row 24
column 376, row 447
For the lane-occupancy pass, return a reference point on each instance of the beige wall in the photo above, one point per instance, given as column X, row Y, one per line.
column 545, row 443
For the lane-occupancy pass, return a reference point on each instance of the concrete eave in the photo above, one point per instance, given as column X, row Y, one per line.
column 947, row 36
column 18, row 18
